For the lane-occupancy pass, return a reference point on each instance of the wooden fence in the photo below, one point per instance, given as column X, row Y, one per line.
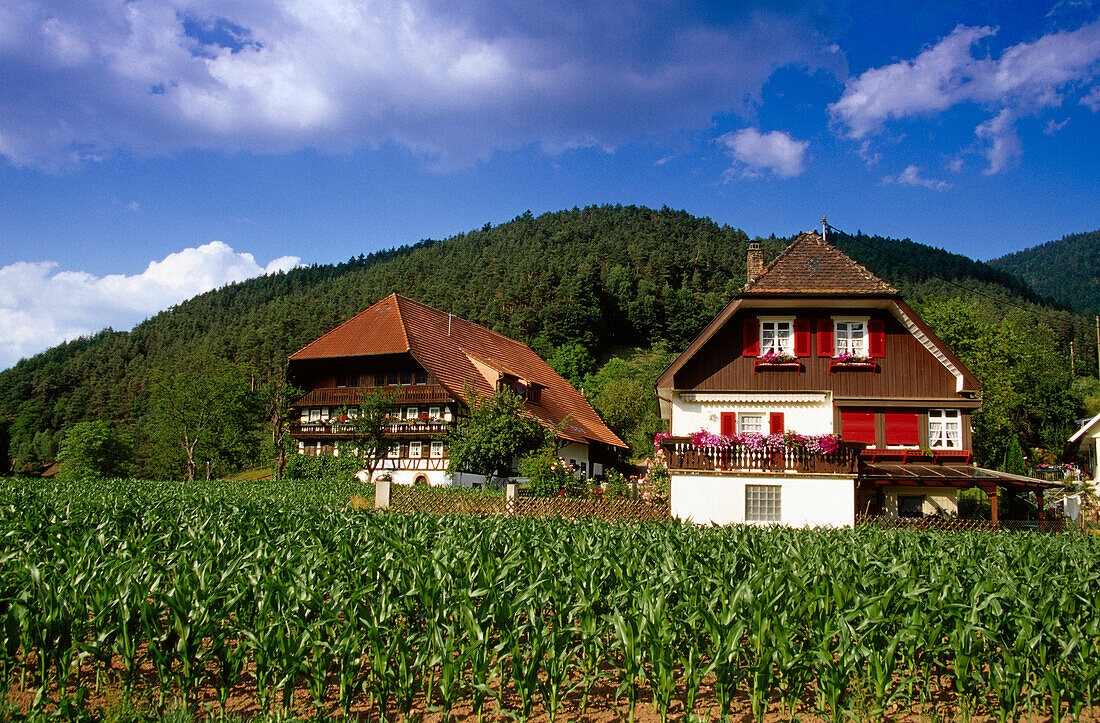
column 943, row 524
column 511, row 502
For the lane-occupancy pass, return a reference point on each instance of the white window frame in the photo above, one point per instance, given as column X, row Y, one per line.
column 756, row 428
column 315, row 414
column 434, row 412
column 436, row 449
column 394, row 452
column 844, row 343
column 944, row 429
column 772, row 325
column 768, row 507
column 412, row 412
column 415, row 450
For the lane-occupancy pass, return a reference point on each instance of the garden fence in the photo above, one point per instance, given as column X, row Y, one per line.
column 513, row 502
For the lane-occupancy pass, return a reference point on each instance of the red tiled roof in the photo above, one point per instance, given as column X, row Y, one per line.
column 447, row 347
column 810, row 266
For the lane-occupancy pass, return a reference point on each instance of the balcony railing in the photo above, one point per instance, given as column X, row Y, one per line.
column 349, row 396
column 338, row 430
column 682, row 455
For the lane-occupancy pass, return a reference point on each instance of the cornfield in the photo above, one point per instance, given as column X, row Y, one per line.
column 182, row 596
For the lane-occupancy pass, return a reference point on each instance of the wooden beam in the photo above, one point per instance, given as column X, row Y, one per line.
column 993, row 506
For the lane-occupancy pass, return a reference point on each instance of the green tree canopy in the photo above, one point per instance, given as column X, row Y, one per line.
column 93, row 449
column 622, row 391
column 369, row 420
column 495, row 432
column 205, row 414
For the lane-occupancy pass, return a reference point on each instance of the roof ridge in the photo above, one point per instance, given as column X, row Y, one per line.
column 352, row 318
column 460, row 319
column 397, row 299
column 776, row 260
column 805, row 241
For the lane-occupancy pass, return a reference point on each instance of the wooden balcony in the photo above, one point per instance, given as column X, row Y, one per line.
column 349, row 396
column 682, row 455
column 335, row 430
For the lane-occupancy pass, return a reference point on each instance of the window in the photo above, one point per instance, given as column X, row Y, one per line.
column 433, row 412
column 762, row 503
column 437, row 449
column 394, row 378
column 857, row 426
column 751, row 423
column 414, row 449
column 315, row 415
column 406, row 377
column 902, row 429
column 910, row 505
column 412, row 413
column 850, row 338
column 421, row 377
column 944, row 429
column 394, row 451
column 776, row 337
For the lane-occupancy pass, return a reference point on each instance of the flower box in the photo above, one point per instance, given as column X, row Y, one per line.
column 844, row 366
column 776, row 365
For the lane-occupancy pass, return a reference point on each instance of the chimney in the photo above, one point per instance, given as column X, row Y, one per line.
column 754, row 264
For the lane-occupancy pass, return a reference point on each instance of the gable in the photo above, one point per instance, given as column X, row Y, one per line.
column 915, row 361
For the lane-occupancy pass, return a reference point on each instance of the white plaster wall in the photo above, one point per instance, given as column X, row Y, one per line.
column 806, row 500
column 408, row 476
column 937, row 500
column 576, row 451
column 802, row 417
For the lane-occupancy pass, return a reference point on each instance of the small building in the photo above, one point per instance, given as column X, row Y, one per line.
column 1085, row 444
column 430, row 361
column 818, row 395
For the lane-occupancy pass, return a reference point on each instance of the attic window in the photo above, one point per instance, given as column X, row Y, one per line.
column 812, row 264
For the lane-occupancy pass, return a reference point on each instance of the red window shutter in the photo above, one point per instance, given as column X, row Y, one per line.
column 751, row 337
column 857, row 427
column 876, row 346
column 775, row 423
column 801, row 337
column 902, row 428
column 825, row 337
column 729, row 424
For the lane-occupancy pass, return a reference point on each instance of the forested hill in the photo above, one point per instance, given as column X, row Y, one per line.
column 605, row 277
column 1067, row 270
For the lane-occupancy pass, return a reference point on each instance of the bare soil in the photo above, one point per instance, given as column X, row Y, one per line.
column 602, row 706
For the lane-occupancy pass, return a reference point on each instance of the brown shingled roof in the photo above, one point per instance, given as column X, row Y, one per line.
column 448, row 347
column 810, row 266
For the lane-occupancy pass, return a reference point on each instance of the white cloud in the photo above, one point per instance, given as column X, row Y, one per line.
column 1003, row 143
column 1054, row 126
column 41, row 306
column 1027, row 78
column 758, row 152
column 1091, row 100
column 450, row 81
column 911, row 176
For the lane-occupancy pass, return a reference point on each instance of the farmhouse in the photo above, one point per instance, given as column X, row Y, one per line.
column 814, row 348
column 431, row 361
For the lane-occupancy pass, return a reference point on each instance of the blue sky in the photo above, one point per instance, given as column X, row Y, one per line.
column 152, row 149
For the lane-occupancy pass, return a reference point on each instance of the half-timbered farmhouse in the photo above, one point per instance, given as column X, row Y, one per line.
column 430, row 361
column 816, row 346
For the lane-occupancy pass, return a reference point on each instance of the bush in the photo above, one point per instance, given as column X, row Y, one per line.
column 551, row 476
column 301, row 466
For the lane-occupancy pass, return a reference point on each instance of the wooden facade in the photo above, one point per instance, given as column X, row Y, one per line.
column 906, row 370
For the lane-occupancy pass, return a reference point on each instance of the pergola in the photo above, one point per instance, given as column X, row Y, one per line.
column 961, row 476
